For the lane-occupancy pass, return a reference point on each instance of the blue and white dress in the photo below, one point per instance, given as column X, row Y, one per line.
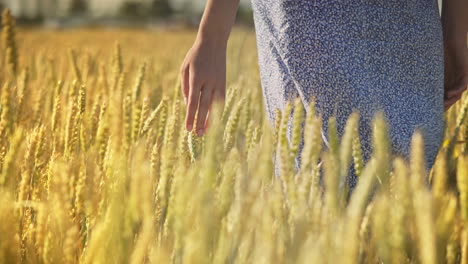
column 356, row 54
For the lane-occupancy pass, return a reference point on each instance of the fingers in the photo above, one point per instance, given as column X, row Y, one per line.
column 219, row 94
column 453, row 95
column 458, row 91
column 184, row 76
column 205, row 103
column 207, row 121
column 449, row 102
column 194, row 95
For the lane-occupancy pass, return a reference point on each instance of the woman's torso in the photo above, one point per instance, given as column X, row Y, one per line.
column 357, row 55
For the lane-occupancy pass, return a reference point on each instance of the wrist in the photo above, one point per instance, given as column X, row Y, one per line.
column 216, row 37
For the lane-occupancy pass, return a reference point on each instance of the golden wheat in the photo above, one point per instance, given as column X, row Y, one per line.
column 98, row 168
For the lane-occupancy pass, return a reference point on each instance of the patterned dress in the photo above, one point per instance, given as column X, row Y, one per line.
column 364, row 55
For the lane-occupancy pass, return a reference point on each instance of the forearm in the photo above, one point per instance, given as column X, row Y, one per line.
column 455, row 24
column 217, row 20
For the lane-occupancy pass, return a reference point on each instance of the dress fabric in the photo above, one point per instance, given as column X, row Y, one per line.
column 364, row 55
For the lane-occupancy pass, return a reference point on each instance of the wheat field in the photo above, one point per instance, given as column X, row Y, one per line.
column 97, row 167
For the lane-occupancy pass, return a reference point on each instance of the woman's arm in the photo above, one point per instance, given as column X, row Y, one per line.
column 455, row 27
column 203, row 72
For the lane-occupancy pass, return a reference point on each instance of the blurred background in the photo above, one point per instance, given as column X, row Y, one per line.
column 146, row 13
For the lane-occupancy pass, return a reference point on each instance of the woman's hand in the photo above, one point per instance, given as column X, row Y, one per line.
column 203, row 72
column 203, row 75
column 455, row 29
column 456, row 82
column 456, row 71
